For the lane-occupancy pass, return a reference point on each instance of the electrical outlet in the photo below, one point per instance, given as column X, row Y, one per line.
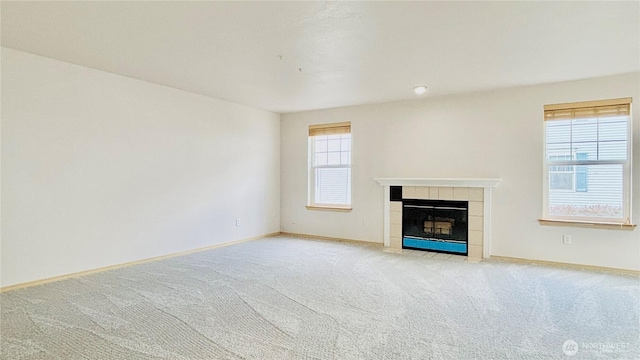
column 237, row 222
column 566, row 239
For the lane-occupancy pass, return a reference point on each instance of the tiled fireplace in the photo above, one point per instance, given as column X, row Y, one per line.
column 477, row 192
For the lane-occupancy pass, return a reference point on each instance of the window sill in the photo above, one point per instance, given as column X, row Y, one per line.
column 328, row 208
column 588, row 224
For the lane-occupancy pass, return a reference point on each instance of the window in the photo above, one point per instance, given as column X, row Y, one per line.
column 560, row 176
column 330, row 165
column 588, row 161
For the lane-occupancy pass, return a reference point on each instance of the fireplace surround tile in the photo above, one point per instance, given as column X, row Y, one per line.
column 475, row 237
column 476, row 208
column 396, row 218
column 475, row 251
column 408, row 192
column 476, row 194
column 433, row 192
column 445, row 193
column 475, row 223
column 422, row 193
column 461, row 193
column 396, row 242
column 396, row 230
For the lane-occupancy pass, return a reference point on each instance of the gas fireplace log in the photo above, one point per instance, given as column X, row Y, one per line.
column 438, row 227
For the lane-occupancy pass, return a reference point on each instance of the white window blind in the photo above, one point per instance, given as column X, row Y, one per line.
column 330, row 164
column 587, row 161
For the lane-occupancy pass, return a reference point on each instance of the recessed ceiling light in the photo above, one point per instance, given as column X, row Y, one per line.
column 420, row 89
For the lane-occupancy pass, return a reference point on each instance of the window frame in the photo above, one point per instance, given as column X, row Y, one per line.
column 343, row 128
column 582, row 164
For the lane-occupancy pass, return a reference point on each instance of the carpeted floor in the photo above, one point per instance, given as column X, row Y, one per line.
column 288, row 298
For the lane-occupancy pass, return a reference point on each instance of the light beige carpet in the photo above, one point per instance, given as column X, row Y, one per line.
column 287, row 298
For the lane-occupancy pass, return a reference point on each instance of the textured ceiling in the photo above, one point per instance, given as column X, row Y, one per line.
column 292, row 56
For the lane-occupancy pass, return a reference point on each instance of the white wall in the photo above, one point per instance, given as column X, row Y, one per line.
column 489, row 134
column 100, row 169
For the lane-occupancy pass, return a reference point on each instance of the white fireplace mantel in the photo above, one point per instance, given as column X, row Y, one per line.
column 444, row 182
column 485, row 183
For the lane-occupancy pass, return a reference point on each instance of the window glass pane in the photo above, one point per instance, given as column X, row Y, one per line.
column 333, row 186
column 553, row 158
column 345, row 158
column 334, row 158
column 581, row 179
column 345, row 144
column 587, row 156
column 585, row 147
column 560, row 180
column 584, row 130
column 321, row 159
column 558, row 137
column 613, row 150
column 334, row 145
column 321, row 146
column 601, row 195
column 555, row 150
column 613, row 129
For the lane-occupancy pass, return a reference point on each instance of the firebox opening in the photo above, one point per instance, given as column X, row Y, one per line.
column 435, row 225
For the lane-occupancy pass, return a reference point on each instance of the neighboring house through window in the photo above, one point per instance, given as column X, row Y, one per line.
column 330, row 165
column 588, row 161
column 568, row 177
column 560, row 176
column 581, row 173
